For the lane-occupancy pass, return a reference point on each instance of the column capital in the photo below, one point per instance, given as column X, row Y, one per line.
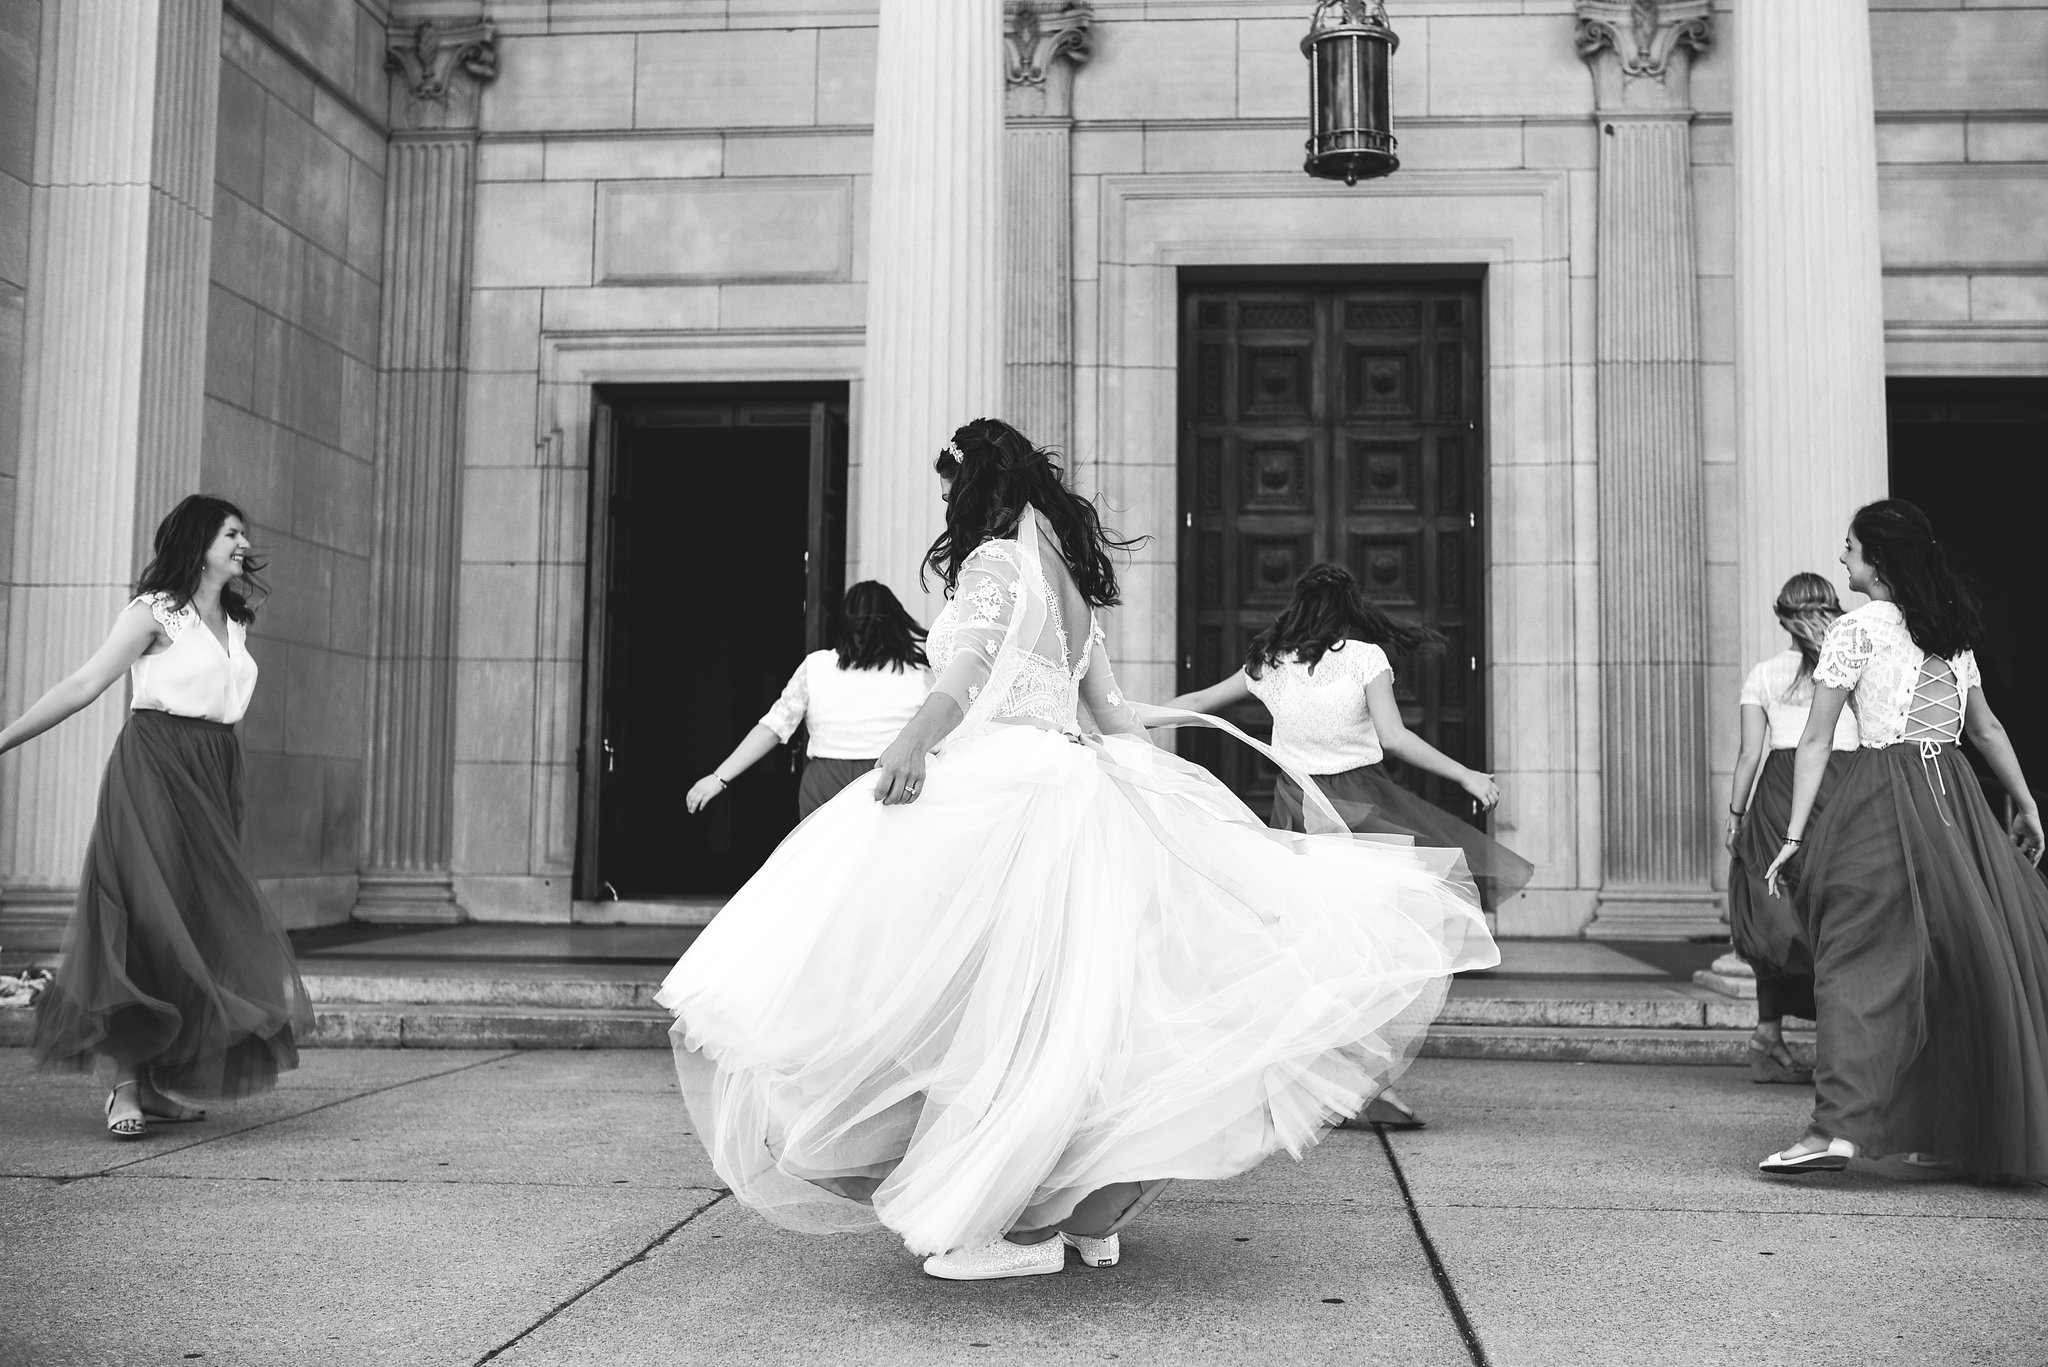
column 427, row 63
column 1641, row 50
column 1042, row 46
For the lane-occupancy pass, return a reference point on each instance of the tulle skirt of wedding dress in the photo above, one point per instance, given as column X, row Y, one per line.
column 1067, row 965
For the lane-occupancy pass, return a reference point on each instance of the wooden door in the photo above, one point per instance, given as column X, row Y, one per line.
column 1334, row 422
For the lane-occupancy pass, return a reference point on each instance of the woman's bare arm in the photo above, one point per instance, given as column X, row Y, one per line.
column 1397, row 740
column 135, row 630
column 1987, row 735
column 1216, row 696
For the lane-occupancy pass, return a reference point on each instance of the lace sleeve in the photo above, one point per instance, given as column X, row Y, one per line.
column 1844, row 654
column 1099, row 692
column 788, row 712
column 1371, row 661
column 172, row 619
column 990, row 582
column 1968, row 675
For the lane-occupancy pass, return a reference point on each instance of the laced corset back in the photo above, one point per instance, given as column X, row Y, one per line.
column 1934, row 713
column 1900, row 692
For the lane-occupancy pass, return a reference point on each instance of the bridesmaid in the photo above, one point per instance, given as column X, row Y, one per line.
column 853, row 698
column 1929, row 928
column 1322, row 670
column 1766, row 931
column 175, row 969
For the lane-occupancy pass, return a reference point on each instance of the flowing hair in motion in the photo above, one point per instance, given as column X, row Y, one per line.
column 1328, row 609
column 872, row 631
column 1942, row 613
column 997, row 474
column 180, row 560
column 1806, row 608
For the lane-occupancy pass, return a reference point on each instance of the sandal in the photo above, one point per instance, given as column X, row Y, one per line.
column 128, row 1126
column 1390, row 1113
column 1833, row 1158
column 1766, row 1066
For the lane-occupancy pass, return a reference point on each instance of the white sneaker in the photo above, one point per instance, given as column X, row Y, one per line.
column 1094, row 1252
column 999, row 1259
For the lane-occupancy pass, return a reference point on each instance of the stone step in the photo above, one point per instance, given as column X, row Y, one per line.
column 485, row 987
column 1551, row 1044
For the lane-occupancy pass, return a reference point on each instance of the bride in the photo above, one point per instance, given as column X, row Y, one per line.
column 998, row 999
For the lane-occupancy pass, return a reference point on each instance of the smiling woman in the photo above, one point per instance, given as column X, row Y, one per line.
column 175, row 969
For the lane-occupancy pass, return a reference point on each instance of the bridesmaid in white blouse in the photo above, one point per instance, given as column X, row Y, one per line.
column 175, row 969
column 853, row 698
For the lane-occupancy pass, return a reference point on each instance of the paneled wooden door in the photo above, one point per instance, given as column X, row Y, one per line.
column 1334, row 422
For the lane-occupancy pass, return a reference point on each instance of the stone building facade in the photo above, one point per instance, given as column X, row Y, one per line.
column 405, row 277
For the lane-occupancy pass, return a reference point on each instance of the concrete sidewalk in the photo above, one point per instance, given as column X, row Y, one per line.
column 397, row 1207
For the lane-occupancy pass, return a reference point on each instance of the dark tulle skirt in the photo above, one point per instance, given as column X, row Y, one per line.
column 1766, row 929
column 1930, row 950
column 173, row 961
column 823, row 778
column 1371, row 803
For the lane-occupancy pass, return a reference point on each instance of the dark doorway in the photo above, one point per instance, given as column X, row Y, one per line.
column 717, row 550
column 1966, row 451
column 1334, row 421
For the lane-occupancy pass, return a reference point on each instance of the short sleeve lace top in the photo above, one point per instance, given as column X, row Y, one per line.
column 1785, row 698
column 1870, row 652
column 1320, row 720
column 196, row 676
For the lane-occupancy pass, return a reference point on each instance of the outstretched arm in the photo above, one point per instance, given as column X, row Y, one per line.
column 1217, row 696
column 1397, row 740
column 134, row 630
column 1987, row 735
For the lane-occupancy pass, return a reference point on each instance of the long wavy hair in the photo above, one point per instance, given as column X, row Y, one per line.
column 179, row 562
column 1328, row 609
column 997, row 475
column 872, row 631
column 1806, row 608
column 1941, row 610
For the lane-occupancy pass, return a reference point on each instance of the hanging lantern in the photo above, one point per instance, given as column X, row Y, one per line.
column 1351, row 130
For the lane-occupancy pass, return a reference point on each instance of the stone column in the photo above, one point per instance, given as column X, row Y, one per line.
column 113, row 384
column 1657, row 831
column 1041, row 51
column 430, row 186
column 935, row 286
column 1809, row 307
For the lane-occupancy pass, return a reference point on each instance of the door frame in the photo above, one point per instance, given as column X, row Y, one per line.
column 821, row 407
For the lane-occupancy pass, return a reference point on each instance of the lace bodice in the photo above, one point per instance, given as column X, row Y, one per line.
column 194, row 677
column 1900, row 692
column 1320, row 718
column 1042, row 690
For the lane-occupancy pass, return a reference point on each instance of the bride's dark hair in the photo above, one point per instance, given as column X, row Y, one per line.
column 1942, row 614
column 1327, row 610
column 179, row 564
column 997, row 474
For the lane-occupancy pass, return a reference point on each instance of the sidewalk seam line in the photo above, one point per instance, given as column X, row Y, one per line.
column 278, row 1120
column 639, row 1257
column 1442, row 1276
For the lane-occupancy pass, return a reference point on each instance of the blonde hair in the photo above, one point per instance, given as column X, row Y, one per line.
column 1806, row 608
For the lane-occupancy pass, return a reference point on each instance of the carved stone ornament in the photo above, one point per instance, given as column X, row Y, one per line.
column 426, row 60
column 1643, row 34
column 1036, row 36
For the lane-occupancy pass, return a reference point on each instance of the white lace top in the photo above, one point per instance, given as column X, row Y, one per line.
column 851, row 713
column 1900, row 692
column 195, row 676
column 1776, row 687
column 1320, row 720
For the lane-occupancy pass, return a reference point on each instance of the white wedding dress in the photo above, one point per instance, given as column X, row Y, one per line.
column 1074, row 961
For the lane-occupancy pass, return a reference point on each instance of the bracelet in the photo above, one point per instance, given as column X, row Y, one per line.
column 1737, row 815
column 1794, row 840
column 723, row 782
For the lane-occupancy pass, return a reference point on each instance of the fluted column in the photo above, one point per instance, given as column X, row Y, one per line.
column 1656, row 831
column 1809, row 307
column 112, row 387
column 935, row 290
column 1042, row 46
column 430, row 186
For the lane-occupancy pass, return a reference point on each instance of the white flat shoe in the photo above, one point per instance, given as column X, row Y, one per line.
column 1000, row 1259
column 1833, row 1158
column 1094, row 1252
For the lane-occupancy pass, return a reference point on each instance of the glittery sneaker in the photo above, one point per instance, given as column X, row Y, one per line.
column 1094, row 1252
column 999, row 1259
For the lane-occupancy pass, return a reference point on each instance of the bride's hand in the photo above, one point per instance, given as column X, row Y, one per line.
column 701, row 792
column 899, row 773
column 1483, row 789
column 1772, row 883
